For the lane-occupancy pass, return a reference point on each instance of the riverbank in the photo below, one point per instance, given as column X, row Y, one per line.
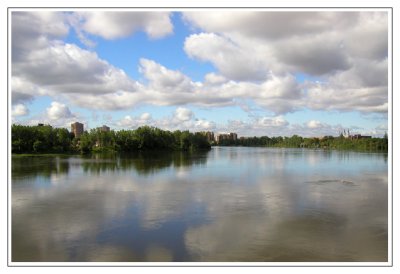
column 46, row 139
column 327, row 142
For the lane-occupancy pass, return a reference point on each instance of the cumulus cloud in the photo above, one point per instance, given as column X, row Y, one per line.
column 278, row 121
column 270, row 25
column 279, row 126
column 368, row 39
column 145, row 116
column 347, row 50
column 185, row 119
column 66, row 68
column 259, row 126
column 23, row 91
column 183, row 114
column 49, row 66
column 56, row 115
column 256, row 60
column 364, row 73
column 134, row 122
column 180, row 119
column 214, row 79
column 314, row 124
column 162, row 79
column 52, row 67
column 19, row 110
column 280, row 94
column 232, row 61
column 304, row 40
column 314, row 56
column 33, row 30
column 324, row 96
column 114, row 25
column 58, row 111
column 204, row 125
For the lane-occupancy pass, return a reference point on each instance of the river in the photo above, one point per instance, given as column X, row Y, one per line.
column 230, row 204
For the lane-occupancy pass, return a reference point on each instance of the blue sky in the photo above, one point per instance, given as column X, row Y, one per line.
column 254, row 73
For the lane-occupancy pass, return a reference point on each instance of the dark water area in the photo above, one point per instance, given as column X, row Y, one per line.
column 230, row 204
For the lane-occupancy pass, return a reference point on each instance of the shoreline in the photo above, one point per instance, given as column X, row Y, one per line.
column 186, row 151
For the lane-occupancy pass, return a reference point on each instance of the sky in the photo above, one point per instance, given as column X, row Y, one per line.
column 253, row 72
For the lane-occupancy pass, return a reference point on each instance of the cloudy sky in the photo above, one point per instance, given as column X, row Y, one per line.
column 310, row 73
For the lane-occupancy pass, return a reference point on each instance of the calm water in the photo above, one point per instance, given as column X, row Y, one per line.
column 228, row 204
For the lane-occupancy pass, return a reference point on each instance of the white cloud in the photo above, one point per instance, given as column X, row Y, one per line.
column 127, row 121
column 162, row 79
column 280, row 94
column 348, row 50
column 254, row 43
column 256, row 61
column 23, row 90
column 314, row 124
column 256, row 126
column 270, row 25
column 33, row 30
column 204, row 125
column 114, row 25
column 66, row 68
column 279, row 126
column 364, row 73
column 145, row 116
column 183, row 114
column 20, row 110
column 73, row 73
column 214, row 79
column 323, row 96
column 278, row 121
column 369, row 37
column 180, row 119
column 56, row 115
column 58, row 111
column 318, row 55
column 259, row 126
column 134, row 122
column 231, row 60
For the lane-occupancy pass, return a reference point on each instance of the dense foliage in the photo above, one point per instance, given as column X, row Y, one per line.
column 327, row 142
column 40, row 139
column 46, row 139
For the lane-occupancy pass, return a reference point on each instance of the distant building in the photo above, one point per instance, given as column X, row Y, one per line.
column 347, row 135
column 226, row 136
column 209, row 135
column 77, row 129
column 221, row 137
column 104, row 128
column 359, row 136
column 40, row 125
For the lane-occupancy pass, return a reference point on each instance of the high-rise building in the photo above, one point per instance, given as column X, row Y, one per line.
column 77, row 129
column 209, row 135
column 104, row 128
column 226, row 136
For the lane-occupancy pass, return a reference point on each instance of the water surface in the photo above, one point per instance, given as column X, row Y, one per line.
column 231, row 204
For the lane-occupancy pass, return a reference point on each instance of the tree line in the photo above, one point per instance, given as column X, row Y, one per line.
column 46, row 139
column 327, row 142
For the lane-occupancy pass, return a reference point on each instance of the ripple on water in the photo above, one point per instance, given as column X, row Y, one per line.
column 329, row 181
